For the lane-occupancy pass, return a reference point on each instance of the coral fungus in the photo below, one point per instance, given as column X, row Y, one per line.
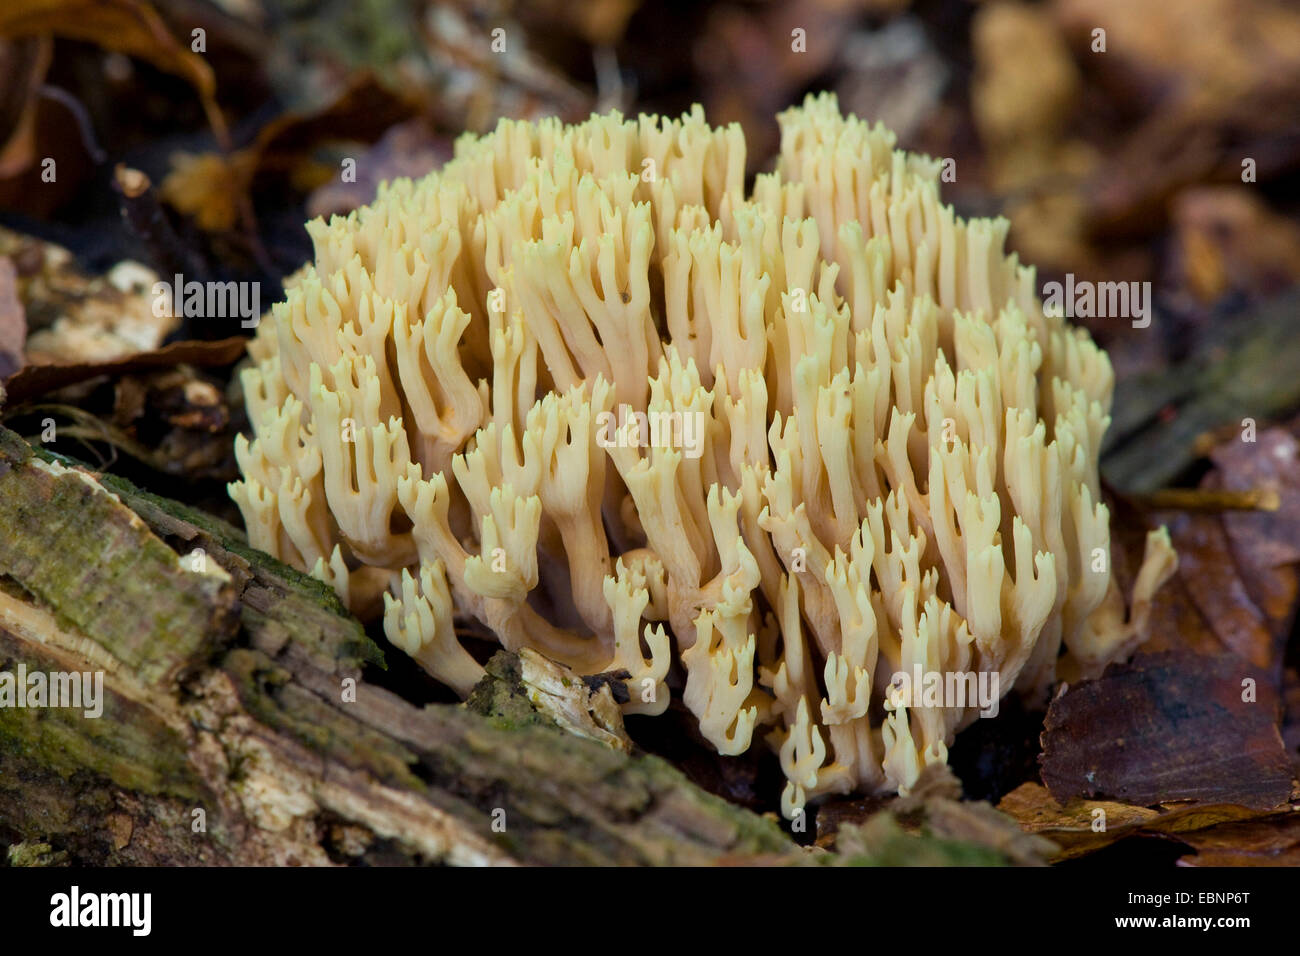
column 581, row 386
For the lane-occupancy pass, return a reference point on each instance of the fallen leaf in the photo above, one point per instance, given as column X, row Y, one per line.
column 1238, row 578
column 1168, row 727
column 23, row 65
column 209, row 187
column 1226, row 239
column 1209, row 607
column 132, row 27
column 33, row 381
column 1265, row 544
column 1080, row 826
column 1273, row 841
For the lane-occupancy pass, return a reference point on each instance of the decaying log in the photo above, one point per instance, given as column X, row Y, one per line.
column 238, row 726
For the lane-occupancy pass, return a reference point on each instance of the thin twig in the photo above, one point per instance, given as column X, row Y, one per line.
column 84, row 127
column 1198, row 499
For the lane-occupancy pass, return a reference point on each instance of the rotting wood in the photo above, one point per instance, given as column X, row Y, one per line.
column 227, row 691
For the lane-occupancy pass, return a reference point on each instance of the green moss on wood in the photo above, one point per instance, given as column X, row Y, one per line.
column 104, row 575
column 500, row 696
column 35, row 854
column 307, row 609
column 882, row 841
column 269, row 693
column 127, row 744
column 304, row 609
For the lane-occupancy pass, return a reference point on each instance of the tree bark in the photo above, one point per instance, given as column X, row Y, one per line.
column 238, row 726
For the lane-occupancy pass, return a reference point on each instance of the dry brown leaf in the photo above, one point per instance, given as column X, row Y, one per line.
column 1265, row 544
column 1227, row 239
column 1078, row 827
column 132, row 27
column 1169, row 727
column 209, row 187
column 33, row 381
column 1172, row 725
column 1238, row 578
column 23, row 65
column 1274, row 841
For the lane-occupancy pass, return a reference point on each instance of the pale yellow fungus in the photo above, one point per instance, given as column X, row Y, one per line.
column 578, row 385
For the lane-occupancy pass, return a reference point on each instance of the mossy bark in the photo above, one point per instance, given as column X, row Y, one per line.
column 239, row 728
